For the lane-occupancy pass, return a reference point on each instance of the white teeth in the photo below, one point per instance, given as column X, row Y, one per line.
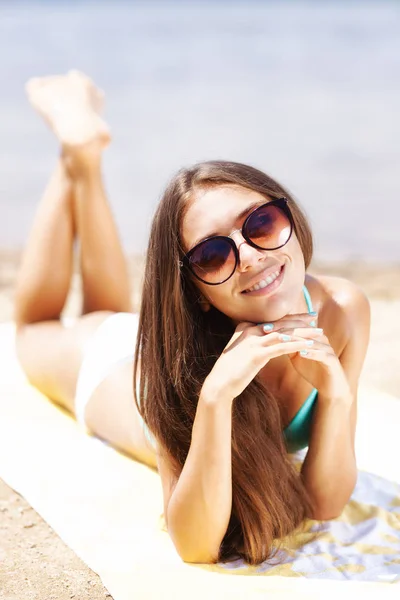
column 264, row 282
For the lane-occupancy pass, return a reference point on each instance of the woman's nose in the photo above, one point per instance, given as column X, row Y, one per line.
column 248, row 255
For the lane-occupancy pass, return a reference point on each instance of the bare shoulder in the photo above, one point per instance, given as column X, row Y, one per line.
column 346, row 295
column 343, row 307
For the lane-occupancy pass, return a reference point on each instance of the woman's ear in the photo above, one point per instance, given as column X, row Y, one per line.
column 204, row 303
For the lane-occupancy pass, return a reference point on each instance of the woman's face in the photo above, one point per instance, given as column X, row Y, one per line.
column 220, row 211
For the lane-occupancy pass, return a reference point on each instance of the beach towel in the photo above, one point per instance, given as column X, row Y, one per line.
column 108, row 508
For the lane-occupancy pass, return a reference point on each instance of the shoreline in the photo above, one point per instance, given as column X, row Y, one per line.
column 378, row 280
column 380, row 283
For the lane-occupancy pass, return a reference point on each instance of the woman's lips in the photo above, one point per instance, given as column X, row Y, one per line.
column 270, row 288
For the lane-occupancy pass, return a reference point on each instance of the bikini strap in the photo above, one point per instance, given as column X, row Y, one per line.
column 307, row 298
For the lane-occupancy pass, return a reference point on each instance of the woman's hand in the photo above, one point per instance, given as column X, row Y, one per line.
column 318, row 363
column 320, row 366
column 248, row 351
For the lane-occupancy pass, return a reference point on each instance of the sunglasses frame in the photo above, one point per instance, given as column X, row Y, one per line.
column 281, row 203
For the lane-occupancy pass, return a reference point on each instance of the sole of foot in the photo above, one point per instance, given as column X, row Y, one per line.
column 71, row 105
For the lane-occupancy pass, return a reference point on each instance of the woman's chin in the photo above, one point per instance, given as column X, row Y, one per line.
column 267, row 314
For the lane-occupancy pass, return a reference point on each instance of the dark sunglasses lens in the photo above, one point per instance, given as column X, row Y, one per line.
column 213, row 261
column 269, row 227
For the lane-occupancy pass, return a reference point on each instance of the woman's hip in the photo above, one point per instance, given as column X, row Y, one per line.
column 104, row 402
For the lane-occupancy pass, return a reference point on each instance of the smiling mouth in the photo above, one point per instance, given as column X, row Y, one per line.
column 267, row 282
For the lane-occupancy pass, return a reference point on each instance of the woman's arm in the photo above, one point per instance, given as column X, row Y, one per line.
column 329, row 470
column 198, row 500
column 199, row 509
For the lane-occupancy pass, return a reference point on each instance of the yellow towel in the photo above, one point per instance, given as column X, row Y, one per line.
column 107, row 508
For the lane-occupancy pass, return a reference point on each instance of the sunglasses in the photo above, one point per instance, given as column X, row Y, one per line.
column 214, row 260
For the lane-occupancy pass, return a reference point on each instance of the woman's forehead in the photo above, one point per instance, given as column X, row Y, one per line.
column 215, row 210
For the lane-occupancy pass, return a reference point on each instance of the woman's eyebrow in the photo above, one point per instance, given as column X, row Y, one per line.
column 241, row 215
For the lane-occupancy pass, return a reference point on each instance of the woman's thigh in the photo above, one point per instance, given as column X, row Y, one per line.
column 51, row 354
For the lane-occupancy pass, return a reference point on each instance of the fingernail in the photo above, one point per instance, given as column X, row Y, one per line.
column 309, row 342
column 313, row 313
column 319, row 330
column 268, row 327
column 303, row 352
column 313, row 323
column 285, row 338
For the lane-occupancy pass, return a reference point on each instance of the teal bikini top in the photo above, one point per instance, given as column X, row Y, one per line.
column 297, row 433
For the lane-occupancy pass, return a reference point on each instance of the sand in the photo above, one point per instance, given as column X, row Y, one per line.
column 34, row 562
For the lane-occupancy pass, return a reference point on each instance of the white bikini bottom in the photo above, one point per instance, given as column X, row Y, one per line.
column 112, row 344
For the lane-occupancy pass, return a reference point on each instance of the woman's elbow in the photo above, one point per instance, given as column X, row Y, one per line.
column 198, row 556
column 199, row 559
column 328, row 504
column 327, row 509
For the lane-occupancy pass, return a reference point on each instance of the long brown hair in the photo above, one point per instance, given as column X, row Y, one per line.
column 177, row 346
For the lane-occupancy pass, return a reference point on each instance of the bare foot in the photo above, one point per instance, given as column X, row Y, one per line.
column 70, row 104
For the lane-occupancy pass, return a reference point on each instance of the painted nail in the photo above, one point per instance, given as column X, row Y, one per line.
column 313, row 313
column 285, row 338
column 313, row 323
column 268, row 327
column 309, row 342
column 303, row 352
column 319, row 330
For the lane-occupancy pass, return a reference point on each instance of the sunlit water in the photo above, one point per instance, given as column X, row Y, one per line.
column 309, row 92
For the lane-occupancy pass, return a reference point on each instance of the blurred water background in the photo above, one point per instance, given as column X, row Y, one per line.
column 307, row 91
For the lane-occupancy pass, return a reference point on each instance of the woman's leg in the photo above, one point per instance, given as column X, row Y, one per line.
column 70, row 105
column 45, row 272
column 105, row 280
column 111, row 413
column 50, row 353
column 73, row 207
column 75, row 204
